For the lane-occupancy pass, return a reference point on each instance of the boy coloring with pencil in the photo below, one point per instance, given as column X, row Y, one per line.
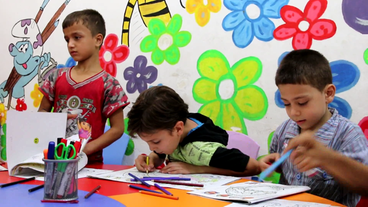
column 191, row 140
column 304, row 80
column 87, row 86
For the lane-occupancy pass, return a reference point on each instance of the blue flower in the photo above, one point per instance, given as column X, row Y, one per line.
column 250, row 18
column 345, row 75
column 69, row 63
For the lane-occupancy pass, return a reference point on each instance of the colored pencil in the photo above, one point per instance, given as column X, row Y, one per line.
column 178, row 183
column 138, row 179
column 158, row 178
column 140, row 188
column 92, row 191
column 16, row 182
column 159, row 195
column 273, row 167
column 163, row 189
column 36, row 188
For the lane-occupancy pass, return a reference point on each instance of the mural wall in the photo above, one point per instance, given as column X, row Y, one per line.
column 219, row 55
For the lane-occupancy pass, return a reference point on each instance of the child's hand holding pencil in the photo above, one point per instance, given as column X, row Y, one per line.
column 144, row 163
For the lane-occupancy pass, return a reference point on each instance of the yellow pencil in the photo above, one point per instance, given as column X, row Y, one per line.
column 147, row 162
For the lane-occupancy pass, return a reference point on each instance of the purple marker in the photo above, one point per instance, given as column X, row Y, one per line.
column 163, row 189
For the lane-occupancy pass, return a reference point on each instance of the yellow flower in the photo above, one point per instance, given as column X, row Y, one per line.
column 36, row 95
column 2, row 114
column 202, row 12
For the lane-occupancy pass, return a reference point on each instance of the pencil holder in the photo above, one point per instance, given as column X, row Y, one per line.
column 61, row 180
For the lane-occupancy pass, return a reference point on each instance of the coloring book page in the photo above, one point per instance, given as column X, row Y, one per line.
column 279, row 203
column 208, row 180
column 250, row 192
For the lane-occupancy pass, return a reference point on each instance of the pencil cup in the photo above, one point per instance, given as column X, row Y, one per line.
column 61, row 180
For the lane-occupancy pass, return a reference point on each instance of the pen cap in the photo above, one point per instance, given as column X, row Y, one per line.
column 61, row 179
column 51, row 150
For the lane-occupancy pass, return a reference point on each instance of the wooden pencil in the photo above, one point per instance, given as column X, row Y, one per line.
column 178, row 183
column 160, row 195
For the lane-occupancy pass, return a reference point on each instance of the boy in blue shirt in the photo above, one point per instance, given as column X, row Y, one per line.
column 304, row 80
column 192, row 142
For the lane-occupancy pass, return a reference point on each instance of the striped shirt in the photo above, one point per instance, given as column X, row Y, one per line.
column 339, row 134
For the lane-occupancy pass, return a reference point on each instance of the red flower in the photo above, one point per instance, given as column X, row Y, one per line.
column 317, row 29
column 111, row 53
column 21, row 105
column 364, row 126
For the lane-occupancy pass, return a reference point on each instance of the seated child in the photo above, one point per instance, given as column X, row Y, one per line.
column 304, row 79
column 191, row 140
column 86, row 87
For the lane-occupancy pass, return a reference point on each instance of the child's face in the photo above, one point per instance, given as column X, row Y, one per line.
column 306, row 105
column 162, row 142
column 81, row 44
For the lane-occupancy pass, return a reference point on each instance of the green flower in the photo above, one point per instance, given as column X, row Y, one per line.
column 164, row 42
column 130, row 148
column 244, row 100
column 365, row 56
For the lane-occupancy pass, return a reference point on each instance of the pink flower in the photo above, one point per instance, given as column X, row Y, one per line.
column 111, row 53
column 303, row 27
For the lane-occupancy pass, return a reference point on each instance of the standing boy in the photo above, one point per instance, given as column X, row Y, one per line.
column 304, row 79
column 191, row 141
column 87, row 87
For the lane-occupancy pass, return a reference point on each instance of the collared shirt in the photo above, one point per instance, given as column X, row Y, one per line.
column 339, row 134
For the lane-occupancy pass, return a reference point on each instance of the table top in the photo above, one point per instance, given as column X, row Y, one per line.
column 118, row 194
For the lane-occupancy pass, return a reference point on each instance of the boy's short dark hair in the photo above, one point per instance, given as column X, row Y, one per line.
column 157, row 108
column 90, row 18
column 304, row 67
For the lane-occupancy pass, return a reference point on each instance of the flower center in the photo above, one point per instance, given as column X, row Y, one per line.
column 165, row 41
column 205, row 2
column 138, row 75
column 226, row 89
column 303, row 26
column 107, row 56
column 253, row 11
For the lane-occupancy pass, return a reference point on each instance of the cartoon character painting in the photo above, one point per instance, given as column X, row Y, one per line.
column 27, row 53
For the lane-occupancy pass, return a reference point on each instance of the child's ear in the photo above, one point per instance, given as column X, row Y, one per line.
column 330, row 91
column 179, row 127
column 99, row 39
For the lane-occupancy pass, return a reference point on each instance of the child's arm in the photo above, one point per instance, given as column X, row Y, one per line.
column 113, row 134
column 45, row 105
column 154, row 161
column 253, row 168
column 310, row 153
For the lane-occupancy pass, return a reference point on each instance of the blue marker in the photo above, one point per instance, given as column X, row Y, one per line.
column 276, row 164
column 138, row 179
column 50, row 153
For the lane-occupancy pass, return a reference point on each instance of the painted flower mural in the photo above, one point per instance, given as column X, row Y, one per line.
column 364, row 126
column 111, row 53
column 345, row 75
column 365, row 56
column 355, row 14
column 139, row 75
column 36, row 95
column 251, row 18
column 305, row 26
column 21, row 105
column 3, row 142
column 164, row 42
column 227, row 93
column 203, row 12
column 70, row 62
column 2, row 114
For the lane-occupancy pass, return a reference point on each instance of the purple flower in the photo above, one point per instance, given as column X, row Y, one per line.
column 139, row 75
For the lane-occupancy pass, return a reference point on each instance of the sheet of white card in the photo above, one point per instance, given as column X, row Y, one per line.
column 279, row 202
column 208, row 180
column 24, row 127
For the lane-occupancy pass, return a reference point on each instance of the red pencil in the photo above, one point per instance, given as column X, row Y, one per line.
column 178, row 183
column 159, row 195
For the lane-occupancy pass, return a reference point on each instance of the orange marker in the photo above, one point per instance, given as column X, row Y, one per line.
column 159, row 195
column 45, row 151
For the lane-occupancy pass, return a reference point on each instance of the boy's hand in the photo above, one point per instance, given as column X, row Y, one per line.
column 308, row 153
column 180, row 168
column 141, row 165
column 71, row 116
column 267, row 160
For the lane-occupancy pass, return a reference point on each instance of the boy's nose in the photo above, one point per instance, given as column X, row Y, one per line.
column 295, row 112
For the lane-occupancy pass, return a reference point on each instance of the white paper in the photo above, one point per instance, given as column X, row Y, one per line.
column 208, row 180
column 24, row 127
column 250, row 192
column 279, row 202
column 3, row 168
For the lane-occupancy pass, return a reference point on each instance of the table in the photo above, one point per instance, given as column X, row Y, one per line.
column 117, row 194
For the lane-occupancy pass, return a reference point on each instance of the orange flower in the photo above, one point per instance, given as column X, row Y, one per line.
column 36, row 95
